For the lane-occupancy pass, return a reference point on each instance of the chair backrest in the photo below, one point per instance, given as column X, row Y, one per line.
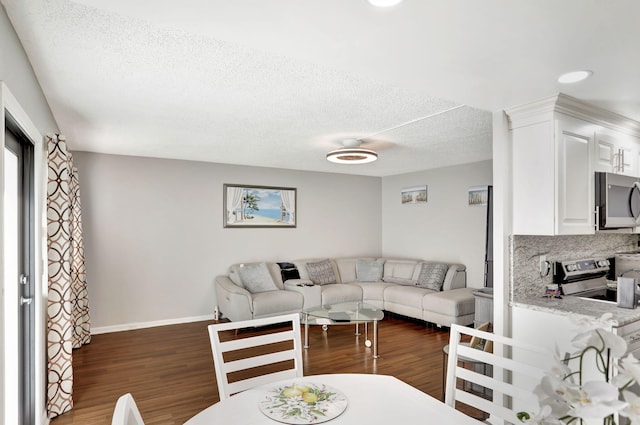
column 507, row 381
column 126, row 412
column 271, row 347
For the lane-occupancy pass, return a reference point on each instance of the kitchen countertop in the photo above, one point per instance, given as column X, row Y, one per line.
column 570, row 305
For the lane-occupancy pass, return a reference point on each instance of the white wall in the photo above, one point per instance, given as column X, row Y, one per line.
column 21, row 94
column 16, row 72
column 445, row 228
column 154, row 239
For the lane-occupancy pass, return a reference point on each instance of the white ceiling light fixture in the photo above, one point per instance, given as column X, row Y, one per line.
column 352, row 153
column 384, row 3
column 574, row 76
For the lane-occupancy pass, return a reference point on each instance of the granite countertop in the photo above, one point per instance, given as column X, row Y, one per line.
column 569, row 305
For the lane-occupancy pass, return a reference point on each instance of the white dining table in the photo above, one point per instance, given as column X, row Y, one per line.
column 371, row 399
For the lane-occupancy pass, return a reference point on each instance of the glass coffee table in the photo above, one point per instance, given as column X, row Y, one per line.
column 348, row 313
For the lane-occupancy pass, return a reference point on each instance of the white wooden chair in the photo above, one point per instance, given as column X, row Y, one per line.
column 126, row 412
column 276, row 353
column 507, row 389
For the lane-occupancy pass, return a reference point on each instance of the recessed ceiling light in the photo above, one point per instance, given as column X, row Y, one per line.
column 384, row 3
column 574, row 76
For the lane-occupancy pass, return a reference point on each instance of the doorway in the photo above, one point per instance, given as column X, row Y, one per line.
column 19, row 270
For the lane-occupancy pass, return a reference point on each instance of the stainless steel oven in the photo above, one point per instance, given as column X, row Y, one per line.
column 586, row 278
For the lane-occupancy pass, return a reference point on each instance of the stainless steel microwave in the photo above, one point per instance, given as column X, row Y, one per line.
column 617, row 201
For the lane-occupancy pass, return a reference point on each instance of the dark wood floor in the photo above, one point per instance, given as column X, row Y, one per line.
column 169, row 369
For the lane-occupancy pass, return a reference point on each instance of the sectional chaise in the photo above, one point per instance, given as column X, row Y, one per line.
column 435, row 292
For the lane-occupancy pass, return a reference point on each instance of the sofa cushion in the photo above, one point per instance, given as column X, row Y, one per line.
column 271, row 303
column 340, row 293
column 321, row 272
column 454, row 303
column 410, row 296
column 256, row 278
column 372, row 291
column 346, row 269
column 369, row 270
column 399, row 269
column 400, row 281
column 432, row 276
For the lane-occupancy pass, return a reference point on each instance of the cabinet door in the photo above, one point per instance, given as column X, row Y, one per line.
column 616, row 153
column 628, row 151
column 605, row 155
column 534, row 184
column 575, row 190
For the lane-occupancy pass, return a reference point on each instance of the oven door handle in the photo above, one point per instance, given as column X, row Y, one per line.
column 636, row 218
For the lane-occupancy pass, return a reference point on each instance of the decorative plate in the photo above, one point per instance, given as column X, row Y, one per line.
column 303, row 403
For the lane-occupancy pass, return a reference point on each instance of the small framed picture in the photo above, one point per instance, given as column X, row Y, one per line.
column 414, row 195
column 478, row 195
column 259, row 206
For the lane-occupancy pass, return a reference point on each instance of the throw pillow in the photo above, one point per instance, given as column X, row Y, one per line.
column 321, row 272
column 289, row 274
column 432, row 276
column 369, row 270
column 256, row 278
column 288, row 271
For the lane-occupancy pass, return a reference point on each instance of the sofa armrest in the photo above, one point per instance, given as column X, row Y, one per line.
column 233, row 301
column 455, row 278
column 311, row 293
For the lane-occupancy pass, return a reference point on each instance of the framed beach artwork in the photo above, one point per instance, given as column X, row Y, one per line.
column 259, row 206
column 478, row 195
column 414, row 195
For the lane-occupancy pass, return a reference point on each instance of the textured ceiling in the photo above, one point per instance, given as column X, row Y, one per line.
column 280, row 83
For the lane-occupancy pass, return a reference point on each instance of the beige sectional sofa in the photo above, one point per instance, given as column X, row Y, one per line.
column 431, row 291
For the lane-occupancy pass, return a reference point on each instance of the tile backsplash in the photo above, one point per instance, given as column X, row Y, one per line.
column 526, row 250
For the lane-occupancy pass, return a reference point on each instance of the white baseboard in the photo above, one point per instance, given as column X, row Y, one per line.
column 142, row 325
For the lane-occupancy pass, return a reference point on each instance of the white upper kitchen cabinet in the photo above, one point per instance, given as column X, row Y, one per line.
column 617, row 152
column 558, row 143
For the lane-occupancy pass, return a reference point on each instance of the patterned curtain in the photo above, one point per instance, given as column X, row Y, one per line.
column 68, row 324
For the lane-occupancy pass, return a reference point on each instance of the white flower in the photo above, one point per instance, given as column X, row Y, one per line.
column 595, row 399
column 544, row 417
column 602, row 339
column 587, row 323
column 553, row 391
column 629, row 372
column 562, row 393
column 632, row 411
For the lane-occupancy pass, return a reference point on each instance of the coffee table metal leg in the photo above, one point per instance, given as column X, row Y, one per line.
column 306, row 331
column 357, row 330
column 367, row 341
column 375, row 339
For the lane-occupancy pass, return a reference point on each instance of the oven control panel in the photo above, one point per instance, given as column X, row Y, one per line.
column 572, row 269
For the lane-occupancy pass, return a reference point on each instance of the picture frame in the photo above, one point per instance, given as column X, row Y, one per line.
column 478, row 195
column 247, row 206
column 414, row 195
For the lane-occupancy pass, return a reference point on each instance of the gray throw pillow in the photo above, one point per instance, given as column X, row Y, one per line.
column 321, row 272
column 432, row 276
column 256, row 278
column 369, row 270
